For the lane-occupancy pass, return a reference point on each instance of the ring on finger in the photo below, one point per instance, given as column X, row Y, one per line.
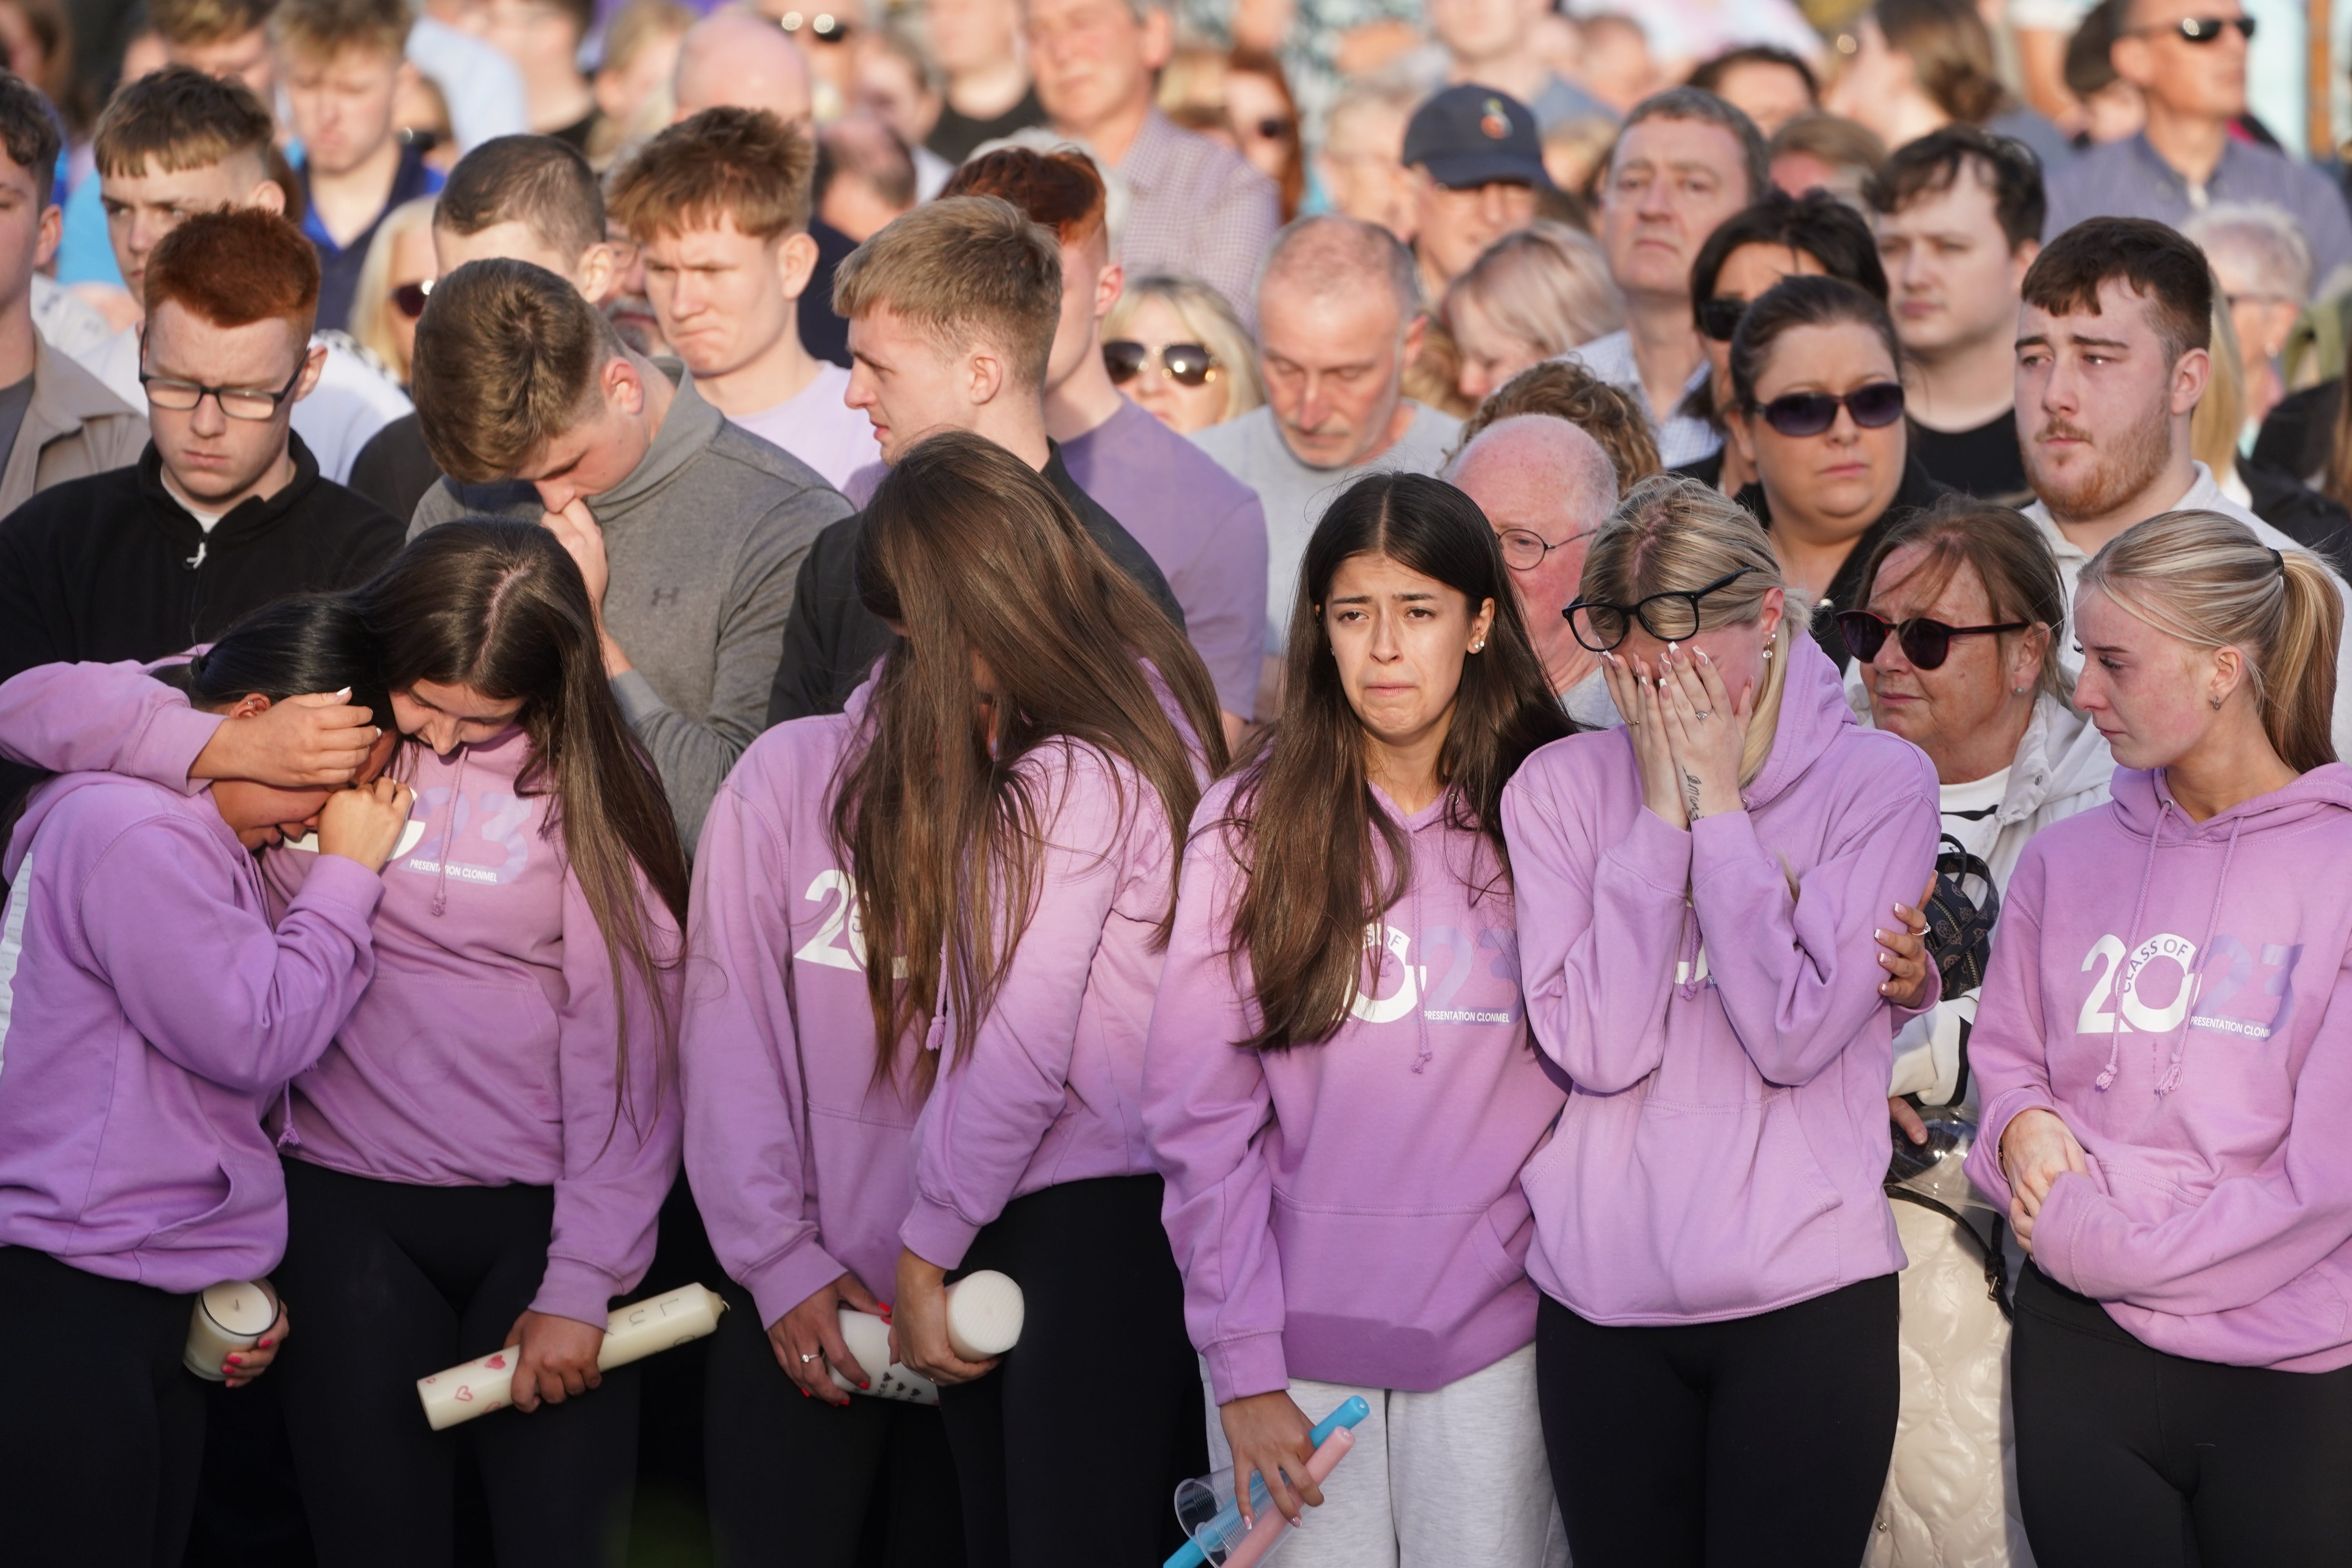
column 808, row 1358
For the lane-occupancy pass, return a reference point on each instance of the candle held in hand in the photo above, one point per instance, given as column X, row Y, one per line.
column 631, row 1334
column 985, row 1313
column 230, row 1317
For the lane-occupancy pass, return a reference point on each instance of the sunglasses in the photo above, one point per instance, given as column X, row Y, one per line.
column 1719, row 317
column 1926, row 643
column 1186, row 364
column 2205, row 30
column 824, row 26
column 1669, row 617
column 409, row 297
column 1873, row 407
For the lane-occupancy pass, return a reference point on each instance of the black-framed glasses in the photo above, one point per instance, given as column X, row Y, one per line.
column 1669, row 617
column 1873, row 407
column 409, row 297
column 1524, row 548
column 1926, row 643
column 1186, row 364
column 1273, row 128
column 1719, row 317
column 236, row 401
column 2204, row 29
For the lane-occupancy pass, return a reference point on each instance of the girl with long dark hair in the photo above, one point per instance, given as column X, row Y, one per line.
column 478, row 1159
column 1339, row 1087
column 152, row 1005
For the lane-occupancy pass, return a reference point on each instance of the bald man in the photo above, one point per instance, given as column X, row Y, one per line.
column 740, row 59
column 1545, row 488
column 1340, row 318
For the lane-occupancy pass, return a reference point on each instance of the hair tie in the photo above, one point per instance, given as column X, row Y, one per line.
column 2281, row 562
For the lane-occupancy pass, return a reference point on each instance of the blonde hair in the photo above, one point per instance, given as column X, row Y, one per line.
column 370, row 325
column 2220, row 418
column 1545, row 285
column 1676, row 535
column 2206, row 579
column 1207, row 315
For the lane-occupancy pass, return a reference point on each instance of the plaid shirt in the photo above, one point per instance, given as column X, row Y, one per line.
column 1197, row 210
column 1681, row 439
column 2130, row 179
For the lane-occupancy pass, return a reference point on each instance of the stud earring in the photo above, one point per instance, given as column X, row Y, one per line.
column 1478, row 646
column 2017, row 691
column 2217, row 704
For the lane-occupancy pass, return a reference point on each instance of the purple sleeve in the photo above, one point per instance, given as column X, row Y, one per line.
column 2006, row 1053
column 1599, row 929
column 1799, row 977
column 1224, row 606
column 103, row 718
column 619, row 1151
column 227, row 998
column 988, row 1113
column 739, row 1065
column 1205, row 1102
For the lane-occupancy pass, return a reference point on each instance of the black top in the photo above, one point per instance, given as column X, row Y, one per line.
column 2299, row 436
column 1984, row 462
column 2317, row 522
column 112, row 567
column 396, row 469
column 955, row 135
column 339, row 264
column 833, row 639
column 1707, row 470
column 823, row 333
column 1845, row 590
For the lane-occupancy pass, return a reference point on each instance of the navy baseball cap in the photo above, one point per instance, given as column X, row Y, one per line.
column 1473, row 135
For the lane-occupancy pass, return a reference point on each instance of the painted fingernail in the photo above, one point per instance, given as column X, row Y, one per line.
column 237, row 1361
column 863, row 1386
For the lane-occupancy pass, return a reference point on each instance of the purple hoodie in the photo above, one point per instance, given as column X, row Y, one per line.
column 1722, row 1152
column 149, row 1015
column 1051, row 1090
column 2171, row 989
column 799, row 1158
column 1350, row 1211
column 483, row 1052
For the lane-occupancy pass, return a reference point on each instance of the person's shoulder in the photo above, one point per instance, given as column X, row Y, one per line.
column 340, row 506
column 98, row 812
column 1230, row 441
column 353, row 387
column 1205, row 481
column 733, row 444
column 787, row 756
column 1432, row 432
column 105, row 501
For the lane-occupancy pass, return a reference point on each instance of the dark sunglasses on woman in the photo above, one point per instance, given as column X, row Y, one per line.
column 1873, row 407
column 1926, row 643
column 1719, row 317
column 1186, row 364
column 409, row 297
column 2205, row 30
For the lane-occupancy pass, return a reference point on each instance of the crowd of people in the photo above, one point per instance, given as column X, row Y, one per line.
column 1576, row 723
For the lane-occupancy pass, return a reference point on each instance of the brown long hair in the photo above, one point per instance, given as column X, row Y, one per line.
column 500, row 607
column 1329, row 863
column 975, row 556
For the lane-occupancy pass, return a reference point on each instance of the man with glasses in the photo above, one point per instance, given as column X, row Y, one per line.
column 1545, row 488
column 2187, row 57
column 226, row 510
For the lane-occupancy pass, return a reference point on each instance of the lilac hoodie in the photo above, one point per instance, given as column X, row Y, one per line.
column 483, row 1052
column 799, row 1158
column 148, row 1016
column 1722, row 1152
column 1350, row 1211
column 2171, row 989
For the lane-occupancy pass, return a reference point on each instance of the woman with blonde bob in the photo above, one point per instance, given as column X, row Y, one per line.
column 1175, row 345
column 1531, row 296
column 1697, row 895
column 2165, row 1067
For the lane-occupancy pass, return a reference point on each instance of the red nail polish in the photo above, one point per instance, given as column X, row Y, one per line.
column 863, row 1386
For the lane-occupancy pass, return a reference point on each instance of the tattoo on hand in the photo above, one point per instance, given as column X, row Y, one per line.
column 1690, row 793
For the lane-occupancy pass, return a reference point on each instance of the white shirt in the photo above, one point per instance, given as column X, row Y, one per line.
column 1681, row 439
column 814, row 425
column 350, row 404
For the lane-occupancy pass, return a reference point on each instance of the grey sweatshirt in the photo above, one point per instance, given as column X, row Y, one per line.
column 704, row 538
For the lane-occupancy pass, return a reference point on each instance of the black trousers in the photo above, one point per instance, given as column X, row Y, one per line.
column 1070, row 1452
column 797, row 1483
column 102, row 1430
column 1758, row 1443
column 2125, row 1454
column 386, row 1283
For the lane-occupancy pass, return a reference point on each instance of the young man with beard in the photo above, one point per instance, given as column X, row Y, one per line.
column 2113, row 352
column 1958, row 217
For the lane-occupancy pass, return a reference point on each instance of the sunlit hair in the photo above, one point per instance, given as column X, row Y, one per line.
column 2008, row 553
column 1545, row 285
column 370, row 299
column 723, row 165
column 1677, row 535
column 2220, row 419
column 2207, row 580
column 180, row 119
column 1566, row 390
column 976, row 557
column 1209, row 316
column 1061, row 189
column 961, row 269
column 235, row 267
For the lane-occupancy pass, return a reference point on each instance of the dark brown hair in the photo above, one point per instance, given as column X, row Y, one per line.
column 1566, row 390
column 235, row 267
column 2009, row 556
column 2153, row 259
column 1062, row 189
column 178, row 119
column 974, row 554
column 506, row 358
column 28, row 133
column 501, row 608
column 1802, row 301
column 1951, row 55
column 1327, row 862
column 724, row 164
column 1932, row 164
column 540, row 183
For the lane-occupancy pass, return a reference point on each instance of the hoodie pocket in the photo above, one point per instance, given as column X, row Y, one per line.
column 480, row 1036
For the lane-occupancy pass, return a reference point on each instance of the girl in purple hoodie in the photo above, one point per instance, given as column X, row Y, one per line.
column 478, row 1159
column 2165, row 1065
column 1339, row 1087
column 149, row 1015
column 1697, row 895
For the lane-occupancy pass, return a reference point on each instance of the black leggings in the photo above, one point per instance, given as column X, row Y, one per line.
column 2127, row 1455
column 1761, row 1441
column 871, row 1482
column 1069, row 1453
column 387, row 1282
column 102, row 1431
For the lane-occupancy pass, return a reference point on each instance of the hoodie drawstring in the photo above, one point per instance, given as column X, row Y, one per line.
column 448, row 837
column 286, row 1137
column 2171, row 1078
column 2139, row 907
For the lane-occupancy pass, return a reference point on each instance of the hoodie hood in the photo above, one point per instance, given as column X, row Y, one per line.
column 1812, row 711
column 2062, row 753
column 50, row 795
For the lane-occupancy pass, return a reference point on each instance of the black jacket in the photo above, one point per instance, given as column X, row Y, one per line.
column 396, row 469
column 832, row 639
column 1845, row 590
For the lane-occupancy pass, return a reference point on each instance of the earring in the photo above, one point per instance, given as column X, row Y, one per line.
column 2217, row 704
column 1767, row 653
column 2017, row 691
column 1478, row 646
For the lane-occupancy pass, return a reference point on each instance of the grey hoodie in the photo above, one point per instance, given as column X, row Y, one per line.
column 704, row 538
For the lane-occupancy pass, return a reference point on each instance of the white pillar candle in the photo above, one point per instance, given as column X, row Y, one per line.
column 230, row 1317
column 984, row 1314
column 631, row 1334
